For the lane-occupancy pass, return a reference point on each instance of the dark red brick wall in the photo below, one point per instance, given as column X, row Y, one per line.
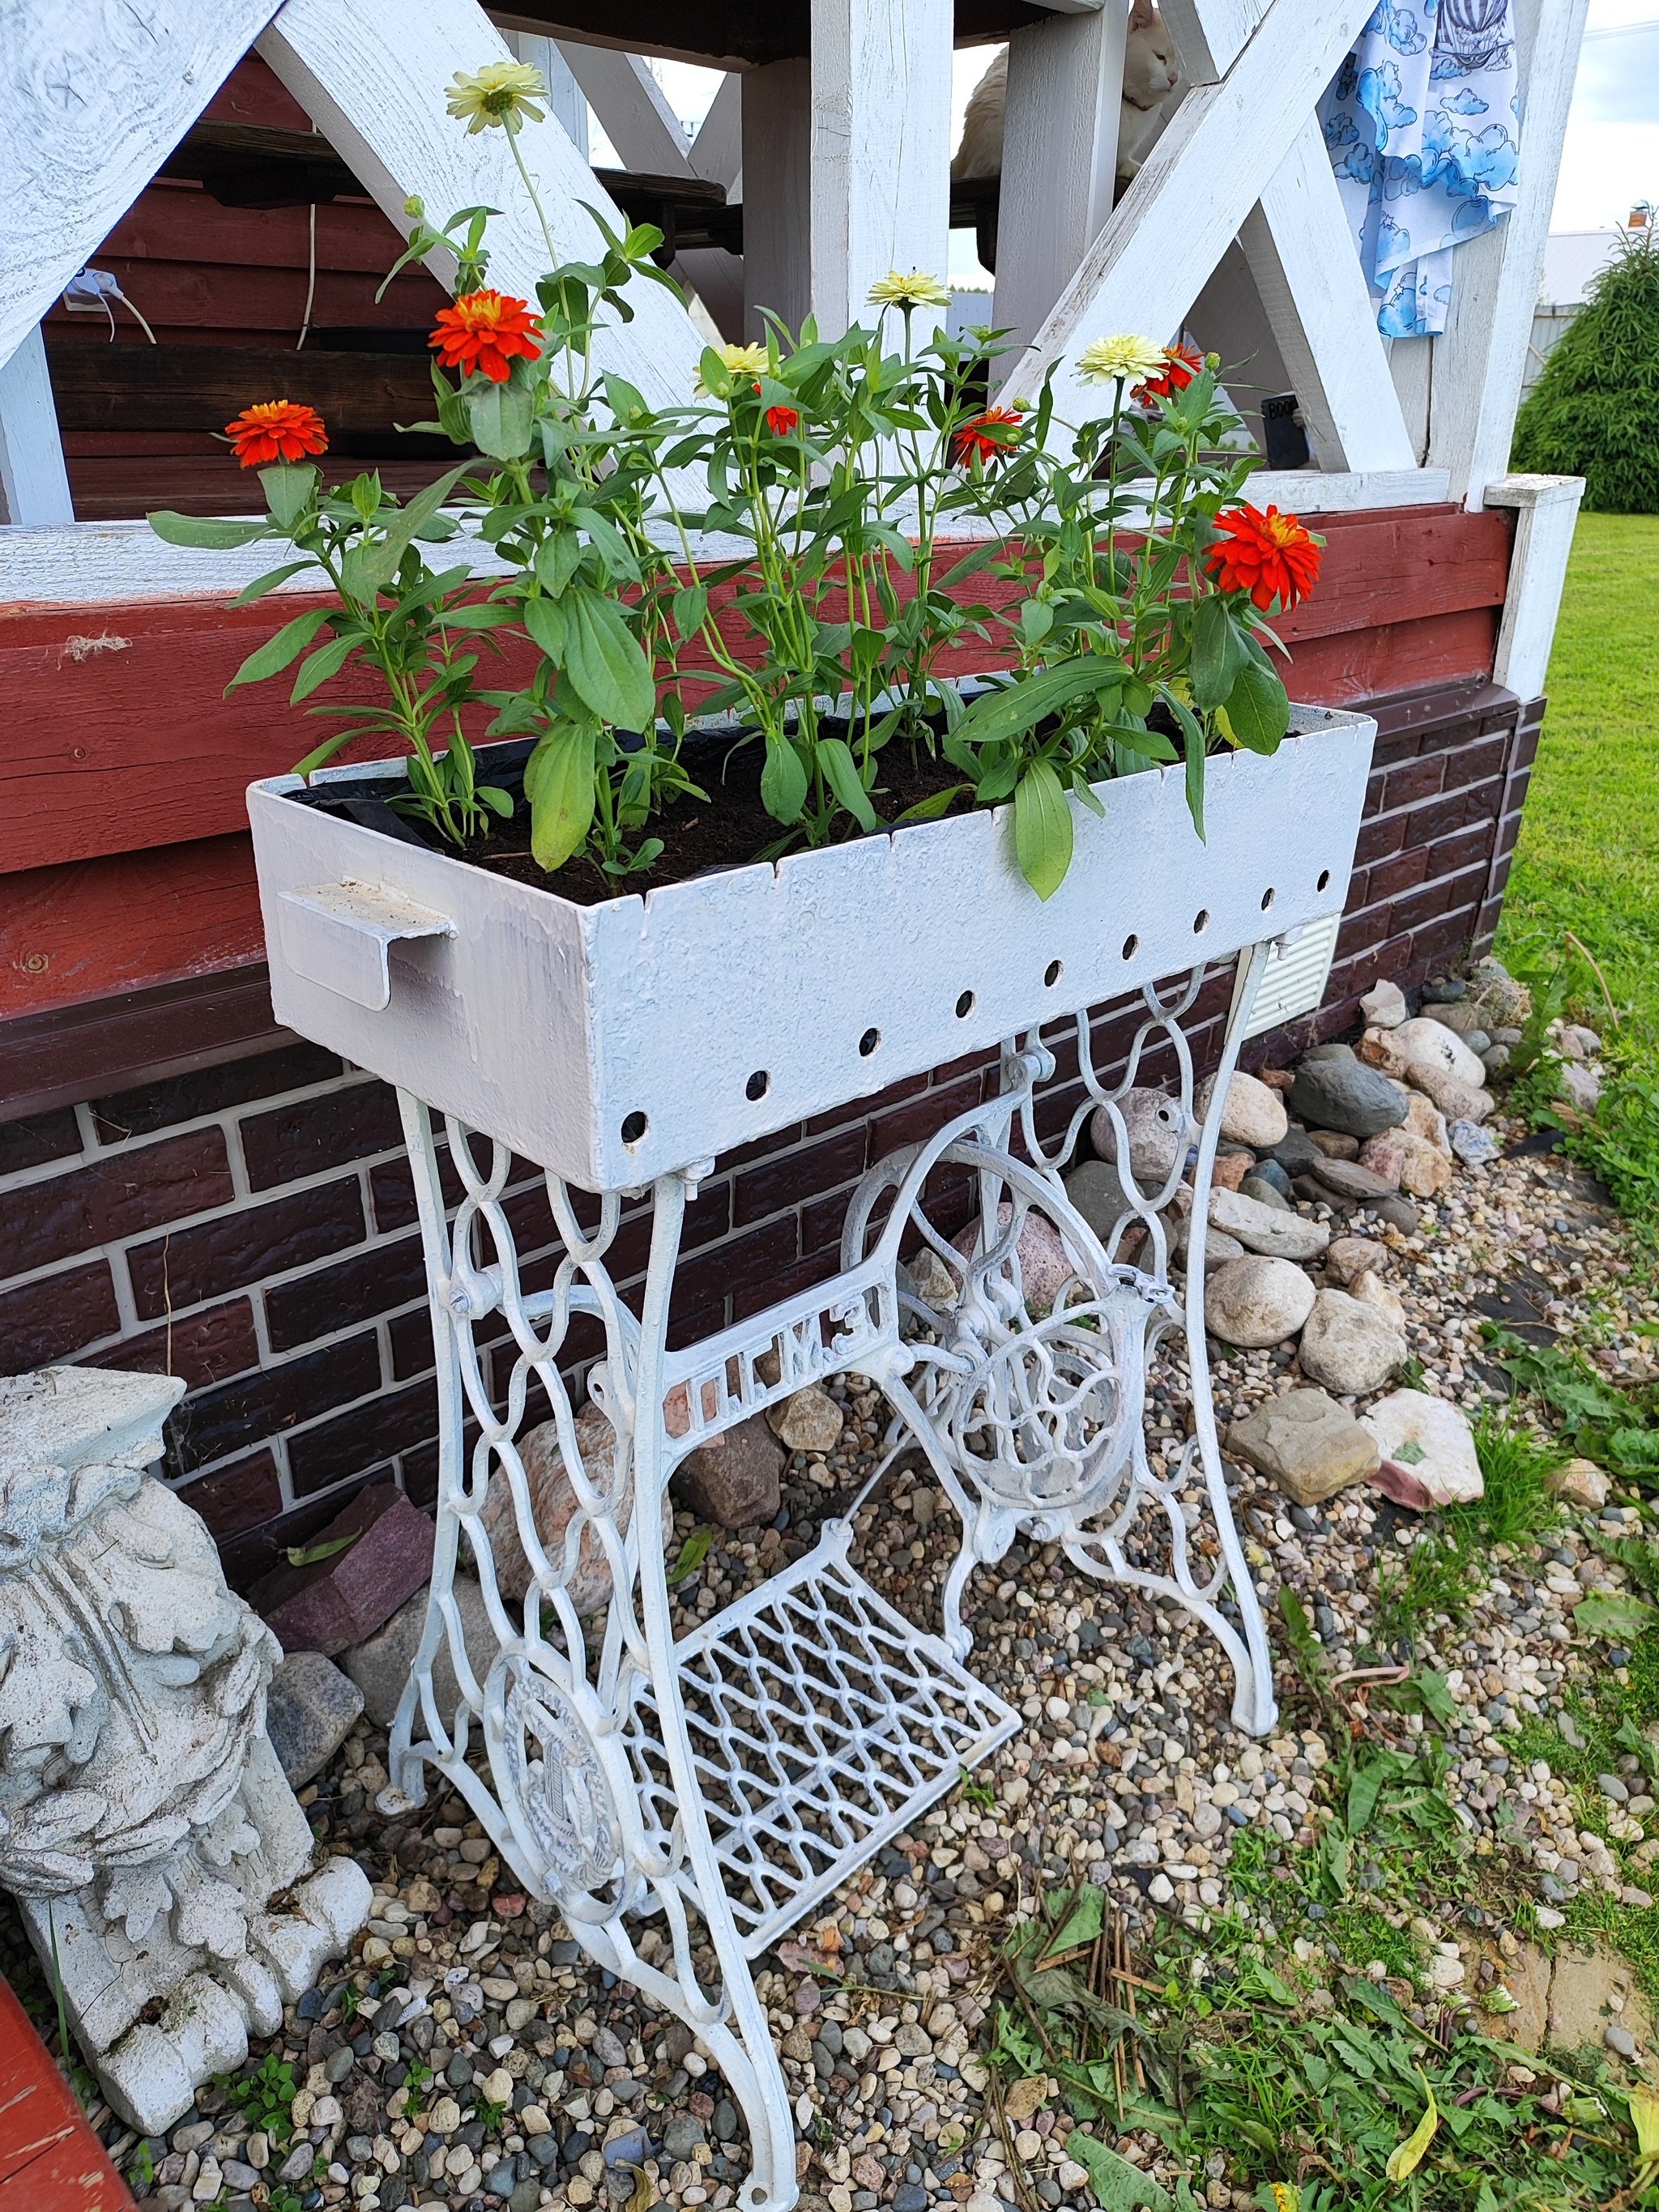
column 251, row 1226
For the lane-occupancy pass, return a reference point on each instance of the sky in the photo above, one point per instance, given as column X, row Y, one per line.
column 1609, row 162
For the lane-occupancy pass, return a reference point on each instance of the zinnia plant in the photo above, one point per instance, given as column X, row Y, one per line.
column 1143, row 579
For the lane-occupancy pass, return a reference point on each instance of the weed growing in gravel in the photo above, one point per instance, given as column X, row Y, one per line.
column 1617, row 1429
column 267, row 2095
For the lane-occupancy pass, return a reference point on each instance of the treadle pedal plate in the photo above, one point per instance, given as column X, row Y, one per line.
column 822, row 1722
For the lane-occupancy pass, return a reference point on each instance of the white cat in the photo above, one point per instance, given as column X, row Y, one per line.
column 1152, row 78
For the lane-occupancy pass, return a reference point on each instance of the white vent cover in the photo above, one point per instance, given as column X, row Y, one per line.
column 1295, row 976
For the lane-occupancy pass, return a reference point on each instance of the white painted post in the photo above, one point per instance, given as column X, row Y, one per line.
column 33, row 482
column 717, row 150
column 1058, row 159
column 1316, row 300
column 1546, row 510
column 881, row 150
column 777, row 194
column 1481, row 356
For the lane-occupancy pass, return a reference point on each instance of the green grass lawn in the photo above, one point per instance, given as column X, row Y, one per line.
column 1588, row 857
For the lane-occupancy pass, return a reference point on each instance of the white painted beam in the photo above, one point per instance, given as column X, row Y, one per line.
column 632, row 107
column 1480, row 355
column 1058, row 159
column 1547, row 512
column 1200, row 182
column 1210, row 34
column 33, row 482
column 93, row 99
column 374, row 78
column 717, row 150
column 1315, row 295
column 881, row 150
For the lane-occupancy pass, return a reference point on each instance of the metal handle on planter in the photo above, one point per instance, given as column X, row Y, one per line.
column 337, row 935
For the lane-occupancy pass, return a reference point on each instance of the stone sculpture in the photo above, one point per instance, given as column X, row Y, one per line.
column 145, row 1824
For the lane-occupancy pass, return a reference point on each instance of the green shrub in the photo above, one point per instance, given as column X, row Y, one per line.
column 1595, row 411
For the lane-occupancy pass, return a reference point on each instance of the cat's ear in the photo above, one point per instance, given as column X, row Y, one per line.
column 1143, row 16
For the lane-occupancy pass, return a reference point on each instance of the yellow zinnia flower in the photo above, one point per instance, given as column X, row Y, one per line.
column 500, row 92
column 739, row 360
column 1125, row 359
column 918, row 290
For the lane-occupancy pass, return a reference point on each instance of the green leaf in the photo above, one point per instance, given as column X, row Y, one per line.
column 328, row 660
column 545, row 621
column 693, row 1551
column 936, row 804
column 368, row 570
column 1117, row 2186
column 1363, row 1790
column 269, row 582
column 301, row 1556
column 277, row 652
column 559, row 785
column 714, row 375
column 604, row 662
column 691, row 609
column 1258, row 708
column 842, row 776
column 289, row 488
column 556, row 563
column 783, row 779
column 1218, row 653
column 1613, row 1615
column 501, row 417
column 1043, row 829
column 1022, row 704
column 207, row 530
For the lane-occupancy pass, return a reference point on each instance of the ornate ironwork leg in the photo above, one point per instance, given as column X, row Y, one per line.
column 1037, row 1423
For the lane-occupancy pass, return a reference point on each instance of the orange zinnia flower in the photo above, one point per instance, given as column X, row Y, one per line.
column 276, row 431
column 1182, row 363
column 781, row 420
column 1269, row 555
column 483, row 330
column 976, row 441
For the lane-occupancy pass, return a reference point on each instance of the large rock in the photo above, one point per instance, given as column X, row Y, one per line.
column 1384, row 1007
column 1310, row 1445
column 1349, row 1180
column 379, row 1665
column 553, row 1507
column 733, row 1479
column 1269, row 1229
column 1424, row 1119
column 1256, row 1302
column 1335, row 1092
column 1440, row 1464
column 1580, row 1483
column 809, row 1421
column 1094, row 1188
column 1457, row 1100
column 1381, row 1048
column 1348, row 1347
column 310, row 1708
column 1044, row 1265
column 1158, row 1131
column 1349, row 1257
column 1371, row 1290
column 1219, row 1247
column 1426, row 1039
column 1475, row 1146
column 1424, row 1170
column 355, row 1571
column 1253, row 1115
column 1580, row 1086
column 1384, row 1155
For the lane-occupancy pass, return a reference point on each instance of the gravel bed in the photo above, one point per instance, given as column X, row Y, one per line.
column 552, row 2084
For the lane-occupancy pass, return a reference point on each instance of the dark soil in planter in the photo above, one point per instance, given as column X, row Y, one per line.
column 729, row 832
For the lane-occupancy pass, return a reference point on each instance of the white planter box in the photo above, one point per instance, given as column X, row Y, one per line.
column 613, row 1043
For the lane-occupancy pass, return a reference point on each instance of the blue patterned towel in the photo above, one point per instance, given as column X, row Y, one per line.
column 1423, row 125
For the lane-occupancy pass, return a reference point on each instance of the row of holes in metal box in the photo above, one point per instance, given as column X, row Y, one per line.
column 635, row 1125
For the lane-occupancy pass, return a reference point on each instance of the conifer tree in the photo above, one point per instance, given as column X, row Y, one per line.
column 1595, row 411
